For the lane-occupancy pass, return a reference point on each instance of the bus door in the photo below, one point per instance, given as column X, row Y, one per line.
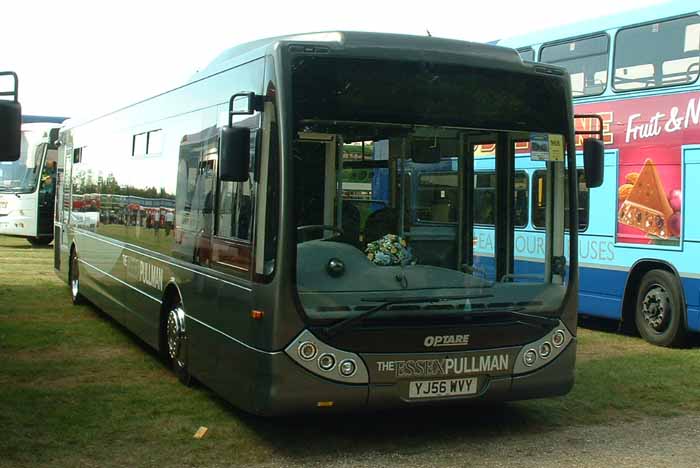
column 432, row 222
column 47, row 192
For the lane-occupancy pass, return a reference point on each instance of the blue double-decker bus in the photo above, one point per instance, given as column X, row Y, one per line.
column 639, row 240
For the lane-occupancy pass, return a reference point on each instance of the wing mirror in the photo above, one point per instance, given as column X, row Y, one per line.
column 10, row 122
column 425, row 151
column 593, row 164
column 234, row 150
column 234, row 155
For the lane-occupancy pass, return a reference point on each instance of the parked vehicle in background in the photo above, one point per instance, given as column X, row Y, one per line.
column 640, row 239
column 28, row 186
column 231, row 223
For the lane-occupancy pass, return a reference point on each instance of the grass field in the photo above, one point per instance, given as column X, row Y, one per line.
column 76, row 389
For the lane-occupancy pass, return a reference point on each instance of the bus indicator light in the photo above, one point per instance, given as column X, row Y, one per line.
column 530, row 357
column 347, row 367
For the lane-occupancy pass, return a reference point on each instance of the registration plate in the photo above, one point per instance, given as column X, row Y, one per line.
column 440, row 388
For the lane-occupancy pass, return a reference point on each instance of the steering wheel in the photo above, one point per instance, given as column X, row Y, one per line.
column 323, row 227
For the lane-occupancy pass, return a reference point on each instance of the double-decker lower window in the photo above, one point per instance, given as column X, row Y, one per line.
column 539, row 201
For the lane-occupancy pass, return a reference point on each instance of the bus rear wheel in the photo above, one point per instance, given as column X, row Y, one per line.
column 659, row 313
column 176, row 342
column 74, row 279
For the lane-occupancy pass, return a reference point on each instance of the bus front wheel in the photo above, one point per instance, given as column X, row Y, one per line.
column 659, row 312
column 176, row 342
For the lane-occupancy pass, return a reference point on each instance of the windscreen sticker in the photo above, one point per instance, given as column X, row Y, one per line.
column 556, row 147
column 539, row 142
column 546, row 147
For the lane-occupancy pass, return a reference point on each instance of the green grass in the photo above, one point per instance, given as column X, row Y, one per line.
column 76, row 389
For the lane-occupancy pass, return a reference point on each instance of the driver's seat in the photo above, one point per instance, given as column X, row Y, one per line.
column 350, row 224
column 381, row 222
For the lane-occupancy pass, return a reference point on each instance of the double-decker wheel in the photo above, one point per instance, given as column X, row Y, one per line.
column 659, row 314
column 74, row 279
column 176, row 342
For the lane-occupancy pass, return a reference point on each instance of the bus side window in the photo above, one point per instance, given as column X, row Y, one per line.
column 539, row 203
column 586, row 60
column 485, row 198
column 235, row 207
column 437, row 197
column 659, row 54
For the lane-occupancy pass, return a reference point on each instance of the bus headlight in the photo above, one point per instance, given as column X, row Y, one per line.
column 326, row 362
column 545, row 350
column 307, row 350
column 539, row 353
column 558, row 338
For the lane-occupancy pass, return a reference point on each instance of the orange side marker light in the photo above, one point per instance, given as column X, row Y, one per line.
column 257, row 314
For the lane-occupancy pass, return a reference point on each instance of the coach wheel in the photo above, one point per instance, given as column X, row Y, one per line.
column 659, row 314
column 74, row 279
column 176, row 341
column 39, row 241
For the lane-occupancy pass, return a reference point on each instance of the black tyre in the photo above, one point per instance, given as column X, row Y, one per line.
column 659, row 314
column 74, row 279
column 39, row 241
column 176, row 342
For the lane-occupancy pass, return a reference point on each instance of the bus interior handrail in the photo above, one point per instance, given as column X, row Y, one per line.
column 598, row 132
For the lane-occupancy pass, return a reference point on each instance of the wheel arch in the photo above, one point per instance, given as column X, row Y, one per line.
column 171, row 294
column 71, row 251
column 636, row 273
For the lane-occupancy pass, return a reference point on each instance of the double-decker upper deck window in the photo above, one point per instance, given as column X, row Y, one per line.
column 658, row 54
column 586, row 61
column 527, row 54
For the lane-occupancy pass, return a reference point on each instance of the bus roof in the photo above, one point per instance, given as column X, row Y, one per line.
column 355, row 39
column 43, row 118
column 663, row 10
column 243, row 53
column 37, row 132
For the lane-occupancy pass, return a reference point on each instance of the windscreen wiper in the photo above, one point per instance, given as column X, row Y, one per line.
column 386, row 302
column 517, row 311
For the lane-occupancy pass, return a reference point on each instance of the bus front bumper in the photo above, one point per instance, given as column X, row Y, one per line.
column 289, row 388
column 14, row 224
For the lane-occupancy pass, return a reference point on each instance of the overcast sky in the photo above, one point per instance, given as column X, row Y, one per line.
column 79, row 59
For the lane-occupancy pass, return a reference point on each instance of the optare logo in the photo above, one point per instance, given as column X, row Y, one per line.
column 440, row 341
